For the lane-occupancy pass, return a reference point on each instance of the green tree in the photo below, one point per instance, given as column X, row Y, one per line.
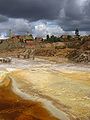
column 77, row 32
column 47, row 37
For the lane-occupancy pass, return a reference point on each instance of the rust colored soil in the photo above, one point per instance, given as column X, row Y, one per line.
column 12, row 107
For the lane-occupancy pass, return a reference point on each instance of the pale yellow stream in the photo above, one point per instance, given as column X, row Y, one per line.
column 64, row 92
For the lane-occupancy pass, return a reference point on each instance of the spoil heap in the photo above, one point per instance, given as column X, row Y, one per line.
column 79, row 56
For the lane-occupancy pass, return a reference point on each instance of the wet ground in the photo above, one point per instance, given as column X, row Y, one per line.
column 62, row 91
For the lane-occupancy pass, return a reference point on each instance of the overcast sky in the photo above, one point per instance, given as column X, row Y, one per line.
column 41, row 17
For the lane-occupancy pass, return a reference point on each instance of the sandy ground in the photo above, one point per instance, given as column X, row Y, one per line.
column 42, row 90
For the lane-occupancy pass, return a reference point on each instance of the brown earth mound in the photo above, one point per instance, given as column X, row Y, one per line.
column 79, row 56
column 86, row 45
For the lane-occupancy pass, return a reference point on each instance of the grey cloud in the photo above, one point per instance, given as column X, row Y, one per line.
column 74, row 15
column 31, row 9
column 16, row 25
column 73, row 10
column 3, row 18
column 87, row 9
column 20, row 14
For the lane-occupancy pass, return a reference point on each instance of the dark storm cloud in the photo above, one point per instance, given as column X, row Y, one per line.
column 73, row 10
column 75, row 14
column 87, row 8
column 31, row 9
column 69, row 13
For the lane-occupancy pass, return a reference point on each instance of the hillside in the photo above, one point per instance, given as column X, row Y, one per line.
column 75, row 49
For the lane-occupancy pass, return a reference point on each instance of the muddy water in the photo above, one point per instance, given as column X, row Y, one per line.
column 64, row 90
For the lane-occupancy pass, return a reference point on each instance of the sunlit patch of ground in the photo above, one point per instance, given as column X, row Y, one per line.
column 71, row 89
